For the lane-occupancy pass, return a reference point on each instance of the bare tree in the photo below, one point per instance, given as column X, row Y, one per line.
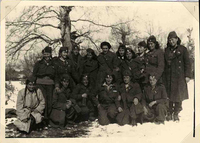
column 191, row 47
column 33, row 28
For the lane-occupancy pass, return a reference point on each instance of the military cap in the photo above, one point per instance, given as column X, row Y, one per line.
column 172, row 35
column 63, row 49
column 127, row 73
column 75, row 47
column 152, row 38
column 142, row 44
column 31, row 79
column 65, row 77
column 105, row 44
column 47, row 50
column 89, row 50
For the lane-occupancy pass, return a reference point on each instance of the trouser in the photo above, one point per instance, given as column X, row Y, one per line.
column 131, row 113
column 107, row 114
column 175, row 107
column 160, row 111
column 70, row 114
column 47, row 91
column 32, row 124
column 86, row 111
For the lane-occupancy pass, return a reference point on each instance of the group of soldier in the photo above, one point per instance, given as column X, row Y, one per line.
column 122, row 87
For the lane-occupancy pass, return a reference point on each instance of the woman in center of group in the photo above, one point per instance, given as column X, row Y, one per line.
column 131, row 64
column 154, row 59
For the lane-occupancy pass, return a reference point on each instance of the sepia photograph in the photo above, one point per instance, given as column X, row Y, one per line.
column 98, row 70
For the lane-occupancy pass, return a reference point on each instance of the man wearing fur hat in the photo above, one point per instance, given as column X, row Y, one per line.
column 177, row 74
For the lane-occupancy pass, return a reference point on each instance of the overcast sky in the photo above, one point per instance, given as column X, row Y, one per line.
column 168, row 16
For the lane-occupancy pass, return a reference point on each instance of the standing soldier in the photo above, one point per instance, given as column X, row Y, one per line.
column 177, row 74
column 120, row 58
column 142, row 49
column 77, row 60
column 90, row 66
column 106, row 61
column 63, row 66
column 154, row 59
column 44, row 71
column 130, row 63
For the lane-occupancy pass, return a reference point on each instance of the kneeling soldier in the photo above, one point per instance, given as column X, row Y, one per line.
column 155, row 100
column 131, row 96
column 107, row 100
column 63, row 107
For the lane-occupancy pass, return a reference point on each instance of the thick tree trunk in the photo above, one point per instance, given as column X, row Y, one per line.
column 65, row 25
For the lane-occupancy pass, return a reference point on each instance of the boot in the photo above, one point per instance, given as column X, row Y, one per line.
column 158, row 122
column 133, row 122
column 169, row 117
column 176, row 118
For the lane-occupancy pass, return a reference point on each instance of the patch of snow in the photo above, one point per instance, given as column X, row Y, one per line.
column 148, row 132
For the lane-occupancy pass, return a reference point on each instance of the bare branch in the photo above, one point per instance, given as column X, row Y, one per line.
column 108, row 26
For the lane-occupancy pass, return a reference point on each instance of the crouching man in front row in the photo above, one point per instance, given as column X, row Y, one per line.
column 30, row 106
column 131, row 95
column 155, row 101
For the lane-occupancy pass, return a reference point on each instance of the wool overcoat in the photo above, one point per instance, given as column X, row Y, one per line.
column 177, row 68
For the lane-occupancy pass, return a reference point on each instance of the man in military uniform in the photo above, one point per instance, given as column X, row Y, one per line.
column 63, row 66
column 106, row 61
column 177, row 74
column 131, row 95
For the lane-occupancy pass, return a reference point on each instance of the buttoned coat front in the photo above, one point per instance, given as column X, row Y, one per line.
column 177, row 68
column 134, row 66
column 154, row 62
column 106, row 63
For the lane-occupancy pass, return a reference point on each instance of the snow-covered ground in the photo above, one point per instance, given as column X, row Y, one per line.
column 148, row 132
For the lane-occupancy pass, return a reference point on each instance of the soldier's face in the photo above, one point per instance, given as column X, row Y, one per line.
column 152, row 80
column 151, row 45
column 89, row 56
column 75, row 51
column 65, row 83
column 64, row 54
column 105, row 49
column 127, row 79
column 46, row 56
column 141, row 49
column 173, row 41
column 109, row 80
column 31, row 86
column 129, row 55
column 85, row 81
column 121, row 52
